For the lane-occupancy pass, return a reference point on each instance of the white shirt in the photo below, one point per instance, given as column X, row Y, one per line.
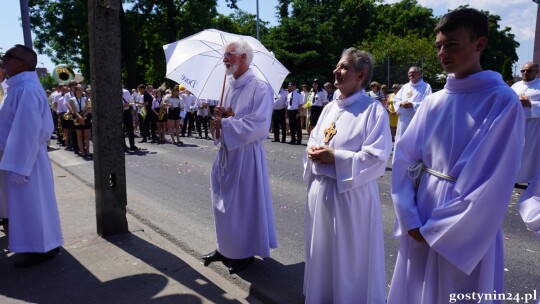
column 294, row 100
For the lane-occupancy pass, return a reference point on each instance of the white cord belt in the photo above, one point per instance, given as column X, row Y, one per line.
column 415, row 170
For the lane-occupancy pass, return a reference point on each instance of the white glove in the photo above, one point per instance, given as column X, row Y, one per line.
column 17, row 179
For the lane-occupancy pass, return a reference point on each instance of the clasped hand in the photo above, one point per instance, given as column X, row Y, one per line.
column 321, row 154
column 218, row 116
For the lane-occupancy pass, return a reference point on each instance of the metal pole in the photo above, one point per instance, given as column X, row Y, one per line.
column 25, row 17
column 258, row 37
column 388, row 80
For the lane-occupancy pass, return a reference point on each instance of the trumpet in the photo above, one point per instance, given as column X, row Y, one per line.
column 80, row 121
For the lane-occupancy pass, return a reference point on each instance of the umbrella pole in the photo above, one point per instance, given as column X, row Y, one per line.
column 220, row 104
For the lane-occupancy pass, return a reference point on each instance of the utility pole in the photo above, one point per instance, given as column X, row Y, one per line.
column 258, row 36
column 25, row 17
column 536, row 50
column 109, row 158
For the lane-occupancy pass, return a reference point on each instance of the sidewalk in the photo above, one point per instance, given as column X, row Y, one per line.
column 137, row 267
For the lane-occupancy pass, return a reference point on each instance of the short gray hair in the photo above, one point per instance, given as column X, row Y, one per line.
column 362, row 61
column 243, row 47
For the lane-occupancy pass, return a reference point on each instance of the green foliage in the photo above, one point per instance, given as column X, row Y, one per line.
column 402, row 52
column 308, row 40
column 506, row 70
column 47, row 82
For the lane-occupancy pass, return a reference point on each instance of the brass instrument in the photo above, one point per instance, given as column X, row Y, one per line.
column 63, row 74
column 80, row 121
column 162, row 110
column 67, row 116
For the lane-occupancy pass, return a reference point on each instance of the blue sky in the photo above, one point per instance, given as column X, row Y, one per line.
column 519, row 15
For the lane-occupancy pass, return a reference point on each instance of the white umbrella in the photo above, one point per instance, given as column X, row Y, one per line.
column 196, row 62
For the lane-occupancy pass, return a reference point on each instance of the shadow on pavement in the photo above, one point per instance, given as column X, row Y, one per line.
column 66, row 280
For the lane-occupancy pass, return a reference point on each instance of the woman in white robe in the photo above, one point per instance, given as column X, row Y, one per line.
column 344, row 233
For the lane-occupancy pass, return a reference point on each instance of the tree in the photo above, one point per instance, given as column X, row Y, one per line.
column 397, row 53
column 506, row 70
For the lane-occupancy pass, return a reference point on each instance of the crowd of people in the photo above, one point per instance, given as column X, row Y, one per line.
column 158, row 116
column 454, row 164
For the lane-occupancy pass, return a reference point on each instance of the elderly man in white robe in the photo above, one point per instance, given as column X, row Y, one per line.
column 25, row 127
column 347, row 151
column 528, row 91
column 452, row 176
column 241, row 195
column 409, row 98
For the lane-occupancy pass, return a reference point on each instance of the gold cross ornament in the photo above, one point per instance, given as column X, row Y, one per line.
column 329, row 133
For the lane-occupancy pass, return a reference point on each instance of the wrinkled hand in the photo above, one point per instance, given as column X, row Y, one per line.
column 17, row 179
column 417, row 236
column 219, row 112
column 322, row 154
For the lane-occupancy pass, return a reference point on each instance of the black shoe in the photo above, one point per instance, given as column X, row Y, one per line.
column 213, row 256
column 283, row 140
column 34, row 258
column 275, row 140
column 135, row 148
column 298, row 142
column 238, row 265
column 180, row 143
column 292, row 142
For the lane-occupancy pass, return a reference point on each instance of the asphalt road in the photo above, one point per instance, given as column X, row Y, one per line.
column 168, row 189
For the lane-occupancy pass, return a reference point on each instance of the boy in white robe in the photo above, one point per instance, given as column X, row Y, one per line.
column 463, row 148
column 347, row 151
column 25, row 127
column 240, row 184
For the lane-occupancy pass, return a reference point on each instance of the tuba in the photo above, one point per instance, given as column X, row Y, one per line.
column 63, row 74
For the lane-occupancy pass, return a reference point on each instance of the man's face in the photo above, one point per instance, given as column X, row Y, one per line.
column 231, row 59
column 328, row 88
column 457, row 53
column 529, row 72
column 13, row 62
column 347, row 79
column 292, row 88
column 413, row 75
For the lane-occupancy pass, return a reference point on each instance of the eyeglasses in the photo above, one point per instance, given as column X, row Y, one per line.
column 526, row 71
column 229, row 54
column 10, row 56
column 412, row 73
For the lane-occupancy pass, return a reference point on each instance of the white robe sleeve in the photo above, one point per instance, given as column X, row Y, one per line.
column 398, row 99
column 30, row 129
column 238, row 132
column 421, row 96
column 529, row 206
column 353, row 168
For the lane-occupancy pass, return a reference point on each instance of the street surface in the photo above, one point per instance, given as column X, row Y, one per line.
column 169, row 190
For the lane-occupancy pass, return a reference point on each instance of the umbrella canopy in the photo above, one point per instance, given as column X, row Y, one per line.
column 196, row 62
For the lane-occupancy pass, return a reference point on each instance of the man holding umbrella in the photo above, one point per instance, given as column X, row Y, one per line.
column 240, row 185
